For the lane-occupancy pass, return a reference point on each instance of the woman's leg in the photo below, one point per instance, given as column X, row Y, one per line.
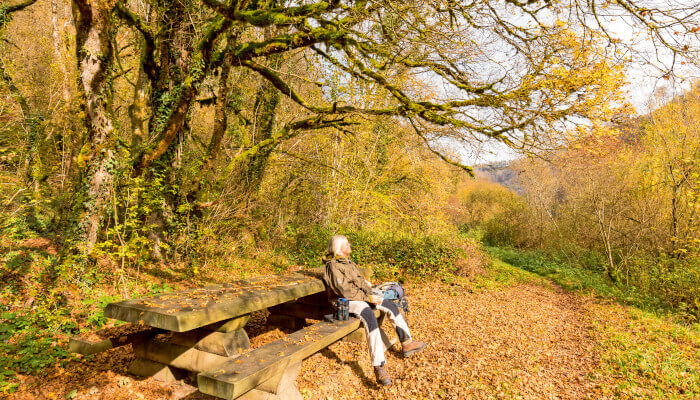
column 369, row 321
column 397, row 320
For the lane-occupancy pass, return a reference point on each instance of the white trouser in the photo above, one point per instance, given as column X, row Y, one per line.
column 363, row 310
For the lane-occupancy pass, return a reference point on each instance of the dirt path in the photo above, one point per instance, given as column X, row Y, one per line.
column 521, row 341
column 524, row 341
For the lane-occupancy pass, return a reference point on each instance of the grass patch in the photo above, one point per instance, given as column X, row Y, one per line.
column 578, row 280
column 645, row 356
column 500, row 273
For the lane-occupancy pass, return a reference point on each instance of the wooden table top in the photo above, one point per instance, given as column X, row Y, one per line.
column 189, row 309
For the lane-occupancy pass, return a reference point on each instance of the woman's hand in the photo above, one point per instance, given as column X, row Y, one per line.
column 377, row 300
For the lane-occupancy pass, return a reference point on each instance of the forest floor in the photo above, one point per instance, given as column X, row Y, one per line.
column 504, row 334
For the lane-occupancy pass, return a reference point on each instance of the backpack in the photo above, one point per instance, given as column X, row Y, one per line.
column 393, row 291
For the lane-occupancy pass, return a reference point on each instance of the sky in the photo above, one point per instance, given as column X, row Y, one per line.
column 640, row 93
column 643, row 74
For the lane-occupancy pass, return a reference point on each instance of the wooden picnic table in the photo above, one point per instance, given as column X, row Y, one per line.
column 200, row 331
column 190, row 309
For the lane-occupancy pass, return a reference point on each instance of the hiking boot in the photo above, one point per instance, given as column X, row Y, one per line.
column 382, row 376
column 411, row 346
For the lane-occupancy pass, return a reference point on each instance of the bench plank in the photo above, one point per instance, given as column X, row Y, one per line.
column 186, row 310
column 236, row 377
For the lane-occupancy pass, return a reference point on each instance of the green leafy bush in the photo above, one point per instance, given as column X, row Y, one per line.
column 393, row 255
column 27, row 346
column 676, row 280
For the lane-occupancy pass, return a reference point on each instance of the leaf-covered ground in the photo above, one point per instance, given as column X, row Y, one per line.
column 523, row 339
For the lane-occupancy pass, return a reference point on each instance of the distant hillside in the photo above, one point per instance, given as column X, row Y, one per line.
column 499, row 172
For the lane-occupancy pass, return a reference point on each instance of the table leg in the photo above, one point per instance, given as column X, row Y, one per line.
column 197, row 350
column 156, row 370
column 227, row 344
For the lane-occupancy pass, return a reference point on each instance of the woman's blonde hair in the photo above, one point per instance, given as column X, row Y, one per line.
column 335, row 245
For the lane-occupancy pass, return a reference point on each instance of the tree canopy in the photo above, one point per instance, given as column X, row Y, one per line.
column 514, row 72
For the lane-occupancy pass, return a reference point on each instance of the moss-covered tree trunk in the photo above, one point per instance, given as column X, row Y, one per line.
column 138, row 110
column 267, row 99
column 94, row 56
column 221, row 123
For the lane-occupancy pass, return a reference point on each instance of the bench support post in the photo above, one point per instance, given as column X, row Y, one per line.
column 227, row 344
column 156, row 370
column 357, row 336
column 196, row 351
column 281, row 387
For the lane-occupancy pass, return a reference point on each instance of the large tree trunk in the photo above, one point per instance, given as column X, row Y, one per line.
column 219, row 129
column 174, row 56
column 267, row 99
column 220, row 116
column 138, row 110
column 94, row 55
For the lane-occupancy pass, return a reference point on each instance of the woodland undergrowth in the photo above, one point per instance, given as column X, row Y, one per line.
column 46, row 300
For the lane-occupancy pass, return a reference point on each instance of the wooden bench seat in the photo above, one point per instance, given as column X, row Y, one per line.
column 269, row 371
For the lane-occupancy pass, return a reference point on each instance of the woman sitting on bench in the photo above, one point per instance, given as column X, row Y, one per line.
column 344, row 279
